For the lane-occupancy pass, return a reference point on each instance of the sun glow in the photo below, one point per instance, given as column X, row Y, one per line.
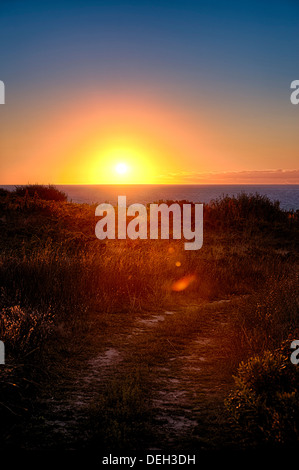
column 121, row 168
column 113, row 140
column 123, row 165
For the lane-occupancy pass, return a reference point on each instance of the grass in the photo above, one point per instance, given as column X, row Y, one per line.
column 121, row 414
column 57, row 279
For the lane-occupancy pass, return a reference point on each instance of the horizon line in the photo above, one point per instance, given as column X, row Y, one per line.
column 153, row 184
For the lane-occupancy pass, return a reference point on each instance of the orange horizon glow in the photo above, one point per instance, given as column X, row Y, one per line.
column 157, row 141
column 87, row 140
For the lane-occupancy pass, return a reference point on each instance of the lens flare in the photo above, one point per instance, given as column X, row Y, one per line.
column 183, row 283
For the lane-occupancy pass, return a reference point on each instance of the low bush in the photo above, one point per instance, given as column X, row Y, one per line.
column 48, row 193
column 265, row 400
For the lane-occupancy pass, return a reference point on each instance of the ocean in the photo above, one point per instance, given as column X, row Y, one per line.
column 287, row 195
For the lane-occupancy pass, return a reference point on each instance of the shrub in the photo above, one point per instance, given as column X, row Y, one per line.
column 24, row 332
column 3, row 192
column 265, row 400
column 243, row 211
column 48, row 193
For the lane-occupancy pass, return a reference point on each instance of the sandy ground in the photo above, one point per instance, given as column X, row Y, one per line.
column 188, row 382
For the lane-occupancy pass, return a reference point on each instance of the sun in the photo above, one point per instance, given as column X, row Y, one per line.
column 121, row 165
column 121, row 168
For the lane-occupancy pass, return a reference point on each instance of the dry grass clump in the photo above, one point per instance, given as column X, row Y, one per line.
column 23, row 330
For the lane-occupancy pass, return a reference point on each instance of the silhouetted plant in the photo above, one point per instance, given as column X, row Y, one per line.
column 48, row 193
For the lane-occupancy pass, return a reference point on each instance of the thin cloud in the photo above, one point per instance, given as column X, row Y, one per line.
column 278, row 176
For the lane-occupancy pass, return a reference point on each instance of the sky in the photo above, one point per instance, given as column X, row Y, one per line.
column 149, row 91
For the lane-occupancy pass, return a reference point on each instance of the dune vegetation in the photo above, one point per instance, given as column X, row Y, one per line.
column 63, row 291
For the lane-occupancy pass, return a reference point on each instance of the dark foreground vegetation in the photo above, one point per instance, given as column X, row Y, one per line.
column 57, row 280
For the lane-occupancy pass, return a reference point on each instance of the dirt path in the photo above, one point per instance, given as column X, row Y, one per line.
column 186, row 354
column 192, row 388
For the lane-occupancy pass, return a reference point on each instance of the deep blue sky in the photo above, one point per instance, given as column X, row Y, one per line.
column 233, row 42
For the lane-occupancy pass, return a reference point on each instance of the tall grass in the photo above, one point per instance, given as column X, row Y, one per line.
column 53, row 270
column 51, row 261
column 265, row 319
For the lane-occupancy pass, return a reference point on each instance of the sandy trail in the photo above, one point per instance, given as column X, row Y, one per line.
column 188, row 387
